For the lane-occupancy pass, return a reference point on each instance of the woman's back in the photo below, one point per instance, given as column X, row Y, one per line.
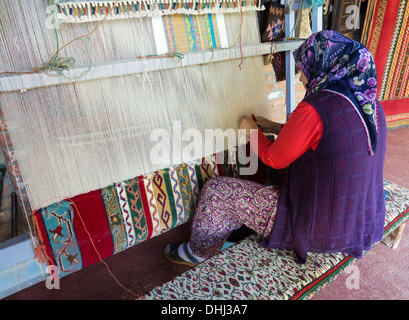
column 333, row 198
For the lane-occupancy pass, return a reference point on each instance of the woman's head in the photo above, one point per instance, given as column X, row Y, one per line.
column 330, row 56
column 332, row 61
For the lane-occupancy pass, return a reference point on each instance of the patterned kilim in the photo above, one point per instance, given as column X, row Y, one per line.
column 185, row 33
column 389, row 43
column 124, row 214
column 247, row 271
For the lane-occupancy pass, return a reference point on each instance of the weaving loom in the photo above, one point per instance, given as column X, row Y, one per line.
column 90, row 136
column 81, row 131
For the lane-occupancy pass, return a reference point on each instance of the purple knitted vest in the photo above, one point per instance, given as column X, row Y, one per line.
column 333, row 198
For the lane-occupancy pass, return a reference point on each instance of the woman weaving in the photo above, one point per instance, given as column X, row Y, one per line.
column 334, row 146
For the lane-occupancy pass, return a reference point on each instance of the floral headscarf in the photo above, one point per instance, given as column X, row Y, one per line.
column 334, row 62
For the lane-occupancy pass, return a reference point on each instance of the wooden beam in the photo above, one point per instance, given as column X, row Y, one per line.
column 22, row 82
column 290, row 65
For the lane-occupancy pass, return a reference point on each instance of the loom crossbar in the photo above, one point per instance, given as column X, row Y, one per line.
column 22, row 82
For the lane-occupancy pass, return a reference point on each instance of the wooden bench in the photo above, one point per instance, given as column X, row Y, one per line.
column 247, row 271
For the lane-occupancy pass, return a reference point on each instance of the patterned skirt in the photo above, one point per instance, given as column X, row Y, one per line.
column 226, row 204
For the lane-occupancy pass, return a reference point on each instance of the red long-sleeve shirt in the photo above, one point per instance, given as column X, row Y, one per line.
column 302, row 131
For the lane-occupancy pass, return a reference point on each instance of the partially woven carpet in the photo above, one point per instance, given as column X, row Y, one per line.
column 247, row 271
column 124, row 214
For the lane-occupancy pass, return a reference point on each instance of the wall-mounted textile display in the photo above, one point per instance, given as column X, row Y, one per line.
column 273, row 22
column 273, row 29
column 388, row 41
column 345, row 17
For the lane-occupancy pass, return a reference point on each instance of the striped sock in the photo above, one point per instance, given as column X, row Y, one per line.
column 186, row 253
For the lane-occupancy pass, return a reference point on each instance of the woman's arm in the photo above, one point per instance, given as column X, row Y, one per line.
column 302, row 131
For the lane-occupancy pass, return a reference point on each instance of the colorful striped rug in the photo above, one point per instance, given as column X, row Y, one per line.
column 388, row 42
column 79, row 231
column 247, row 271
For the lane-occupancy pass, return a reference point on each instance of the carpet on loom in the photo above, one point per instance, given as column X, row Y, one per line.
column 246, row 271
column 388, row 42
column 124, row 214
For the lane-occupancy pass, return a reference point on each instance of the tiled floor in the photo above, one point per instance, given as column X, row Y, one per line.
column 383, row 272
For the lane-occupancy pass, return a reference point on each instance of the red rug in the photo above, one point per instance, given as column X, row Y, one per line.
column 389, row 43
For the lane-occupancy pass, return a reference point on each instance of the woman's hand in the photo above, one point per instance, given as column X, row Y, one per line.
column 247, row 123
column 268, row 126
